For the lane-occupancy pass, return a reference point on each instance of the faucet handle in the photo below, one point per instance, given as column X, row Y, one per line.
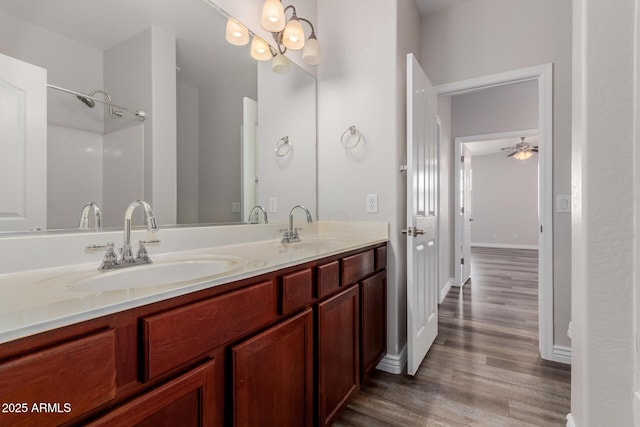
column 97, row 248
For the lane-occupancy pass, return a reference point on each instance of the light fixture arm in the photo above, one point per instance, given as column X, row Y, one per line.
column 277, row 37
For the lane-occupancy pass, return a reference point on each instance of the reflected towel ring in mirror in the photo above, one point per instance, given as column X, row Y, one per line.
column 283, row 147
column 352, row 131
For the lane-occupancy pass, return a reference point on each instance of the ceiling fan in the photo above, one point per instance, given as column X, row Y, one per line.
column 522, row 150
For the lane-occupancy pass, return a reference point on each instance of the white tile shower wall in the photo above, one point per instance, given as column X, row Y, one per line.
column 123, row 174
column 74, row 174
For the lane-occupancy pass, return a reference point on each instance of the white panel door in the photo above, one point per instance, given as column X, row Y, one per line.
column 249, row 156
column 23, row 145
column 422, row 175
column 466, row 217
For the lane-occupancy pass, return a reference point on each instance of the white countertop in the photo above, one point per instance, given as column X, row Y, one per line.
column 42, row 299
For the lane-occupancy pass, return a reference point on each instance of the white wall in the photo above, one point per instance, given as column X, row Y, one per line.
column 499, row 109
column 360, row 85
column 69, row 64
column 483, row 37
column 219, row 169
column 605, row 213
column 286, row 107
column 446, row 221
column 140, row 74
column 188, row 145
column 74, row 162
column 504, row 203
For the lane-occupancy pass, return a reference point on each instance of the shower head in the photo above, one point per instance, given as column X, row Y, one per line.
column 86, row 101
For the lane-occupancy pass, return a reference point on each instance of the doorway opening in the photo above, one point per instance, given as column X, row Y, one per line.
column 543, row 75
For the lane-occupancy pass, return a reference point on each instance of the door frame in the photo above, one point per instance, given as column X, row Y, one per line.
column 544, row 75
column 459, row 141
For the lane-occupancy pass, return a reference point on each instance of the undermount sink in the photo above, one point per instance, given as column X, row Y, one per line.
column 160, row 274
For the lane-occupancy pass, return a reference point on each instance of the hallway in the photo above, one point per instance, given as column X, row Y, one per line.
column 484, row 368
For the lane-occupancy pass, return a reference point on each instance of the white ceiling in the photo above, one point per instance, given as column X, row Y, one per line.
column 427, row 7
column 202, row 51
column 493, row 146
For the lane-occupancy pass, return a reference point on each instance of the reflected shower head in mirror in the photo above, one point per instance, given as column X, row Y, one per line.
column 86, row 101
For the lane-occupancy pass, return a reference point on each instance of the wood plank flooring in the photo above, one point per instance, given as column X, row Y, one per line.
column 484, row 368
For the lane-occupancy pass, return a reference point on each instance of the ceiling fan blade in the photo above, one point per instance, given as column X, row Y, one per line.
column 535, row 149
column 512, row 154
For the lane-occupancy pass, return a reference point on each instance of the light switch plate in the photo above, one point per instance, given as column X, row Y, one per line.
column 563, row 204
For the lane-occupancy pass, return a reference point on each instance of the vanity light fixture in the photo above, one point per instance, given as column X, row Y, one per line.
column 290, row 34
column 236, row 34
column 260, row 49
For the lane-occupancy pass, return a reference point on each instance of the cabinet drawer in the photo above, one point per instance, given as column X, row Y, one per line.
column 381, row 258
column 357, row 267
column 328, row 279
column 178, row 336
column 71, row 378
column 185, row 401
column 297, row 290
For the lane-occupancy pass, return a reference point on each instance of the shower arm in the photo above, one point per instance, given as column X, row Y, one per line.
column 140, row 114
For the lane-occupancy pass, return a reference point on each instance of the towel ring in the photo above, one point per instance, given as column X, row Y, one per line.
column 283, row 147
column 352, row 130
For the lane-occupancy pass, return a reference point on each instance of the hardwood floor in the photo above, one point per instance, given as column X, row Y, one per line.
column 484, row 368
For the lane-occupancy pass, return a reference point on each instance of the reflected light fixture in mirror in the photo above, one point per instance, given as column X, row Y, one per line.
column 236, row 33
column 280, row 64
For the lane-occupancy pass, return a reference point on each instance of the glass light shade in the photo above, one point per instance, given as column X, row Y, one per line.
column 280, row 64
column 273, row 16
column 523, row 155
column 236, row 34
column 311, row 54
column 293, row 36
column 260, row 49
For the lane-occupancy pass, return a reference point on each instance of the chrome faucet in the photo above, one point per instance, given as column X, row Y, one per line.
column 255, row 211
column 291, row 235
column 111, row 260
column 84, row 217
column 127, row 254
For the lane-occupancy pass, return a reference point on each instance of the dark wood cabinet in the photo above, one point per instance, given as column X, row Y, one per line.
column 187, row 401
column 373, row 322
column 273, row 375
column 284, row 348
column 338, row 352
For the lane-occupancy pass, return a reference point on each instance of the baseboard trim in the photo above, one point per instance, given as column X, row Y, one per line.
column 570, row 422
column 561, row 354
column 444, row 291
column 503, row 246
column 394, row 364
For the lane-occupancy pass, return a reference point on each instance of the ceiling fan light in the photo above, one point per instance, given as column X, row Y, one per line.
column 523, row 155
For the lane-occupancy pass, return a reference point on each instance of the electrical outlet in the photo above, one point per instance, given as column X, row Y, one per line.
column 235, row 207
column 273, row 204
column 372, row 203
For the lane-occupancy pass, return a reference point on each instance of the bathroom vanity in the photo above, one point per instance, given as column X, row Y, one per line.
column 283, row 343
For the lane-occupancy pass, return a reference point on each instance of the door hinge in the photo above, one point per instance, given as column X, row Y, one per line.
column 462, row 210
column 403, row 168
column 462, row 261
column 541, row 228
column 462, row 159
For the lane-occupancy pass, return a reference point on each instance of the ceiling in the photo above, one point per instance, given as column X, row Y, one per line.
column 427, row 7
column 493, row 146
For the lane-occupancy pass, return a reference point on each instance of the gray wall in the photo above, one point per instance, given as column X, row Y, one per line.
column 447, row 191
column 504, row 203
column 482, row 37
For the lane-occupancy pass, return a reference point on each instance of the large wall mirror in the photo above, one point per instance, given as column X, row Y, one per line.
column 212, row 145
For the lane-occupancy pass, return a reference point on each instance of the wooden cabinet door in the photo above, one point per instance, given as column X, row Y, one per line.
column 373, row 322
column 273, row 375
column 187, row 401
column 338, row 353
